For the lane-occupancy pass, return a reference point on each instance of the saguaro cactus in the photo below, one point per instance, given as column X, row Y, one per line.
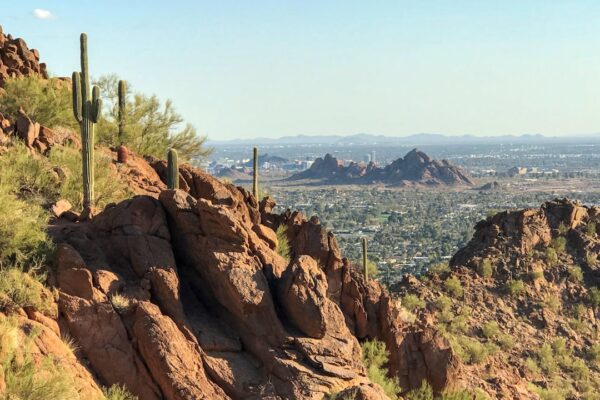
column 122, row 103
column 172, row 169
column 255, row 174
column 365, row 260
column 87, row 107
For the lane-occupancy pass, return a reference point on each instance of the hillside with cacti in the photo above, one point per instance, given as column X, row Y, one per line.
column 126, row 273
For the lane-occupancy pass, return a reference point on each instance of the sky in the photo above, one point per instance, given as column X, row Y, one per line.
column 244, row 69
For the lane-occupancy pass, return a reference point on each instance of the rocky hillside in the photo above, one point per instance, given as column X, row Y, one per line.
column 520, row 303
column 416, row 168
column 16, row 59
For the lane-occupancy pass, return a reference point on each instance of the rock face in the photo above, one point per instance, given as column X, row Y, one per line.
column 415, row 168
column 184, row 297
column 16, row 59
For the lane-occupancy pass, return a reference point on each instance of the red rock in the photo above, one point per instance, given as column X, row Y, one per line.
column 60, row 207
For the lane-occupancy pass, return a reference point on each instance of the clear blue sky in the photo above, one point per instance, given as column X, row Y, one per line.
column 242, row 69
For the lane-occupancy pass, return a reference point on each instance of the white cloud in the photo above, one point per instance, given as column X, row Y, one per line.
column 42, row 14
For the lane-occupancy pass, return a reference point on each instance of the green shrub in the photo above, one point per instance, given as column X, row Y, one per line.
column 551, row 256
column 546, row 359
column 116, row 392
column 109, row 188
column 537, row 274
column 562, row 228
column 485, row 268
column 459, row 324
column 283, row 243
column 151, row 127
column 559, row 244
column 594, row 352
column 515, row 287
column 591, row 259
column 412, row 302
column 551, row 302
column 548, row 393
column 24, row 289
column 506, row 341
column 576, row 274
column 45, row 101
column 453, row 286
column 443, row 303
column 472, row 351
column 591, row 228
column 375, row 356
column 425, row 392
column 490, row 329
column 439, row 268
column 26, row 377
column 531, row 366
column 559, row 347
column 594, row 296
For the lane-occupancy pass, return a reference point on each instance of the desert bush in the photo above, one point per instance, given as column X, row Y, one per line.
column 459, row 324
column 443, row 303
column 108, row 186
column 559, row 244
column 151, row 127
column 439, row 268
column 515, row 287
column 412, row 302
column 485, row 268
column 375, row 356
column 562, row 228
column 472, row 351
column 45, row 101
column 454, row 287
column 22, row 230
column 506, row 341
column 546, row 359
column 25, row 289
column 537, row 274
column 531, row 366
column 593, row 352
column 425, row 392
column 591, row 228
column 548, row 393
column 26, row 378
column 591, row 259
column 551, row 302
column 576, row 274
column 116, row 392
column 120, row 302
column 283, row 242
column 490, row 329
column 551, row 256
column 594, row 296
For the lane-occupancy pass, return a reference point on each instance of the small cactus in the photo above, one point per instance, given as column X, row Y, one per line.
column 122, row 104
column 87, row 107
column 255, row 174
column 365, row 260
column 172, row 170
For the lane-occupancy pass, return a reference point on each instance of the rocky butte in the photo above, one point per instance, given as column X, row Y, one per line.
column 416, row 168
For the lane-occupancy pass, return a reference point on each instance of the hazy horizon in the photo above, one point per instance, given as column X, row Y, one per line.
column 273, row 69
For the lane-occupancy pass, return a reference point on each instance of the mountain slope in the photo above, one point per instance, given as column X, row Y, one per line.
column 520, row 303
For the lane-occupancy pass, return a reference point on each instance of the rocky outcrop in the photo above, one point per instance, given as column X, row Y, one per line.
column 16, row 59
column 194, row 281
column 415, row 168
column 524, row 287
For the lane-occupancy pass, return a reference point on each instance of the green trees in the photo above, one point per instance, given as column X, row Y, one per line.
column 144, row 124
column 44, row 101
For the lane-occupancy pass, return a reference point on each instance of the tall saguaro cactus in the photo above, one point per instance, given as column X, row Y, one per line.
column 122, row 103
column 255, row 174
column 365, row 260
column 87, row 107
column 172, row 169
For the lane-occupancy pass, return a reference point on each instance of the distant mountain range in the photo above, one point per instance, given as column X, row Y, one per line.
column 416, row 168
column 420, row 139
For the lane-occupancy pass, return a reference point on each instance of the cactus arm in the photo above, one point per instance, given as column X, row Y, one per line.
column 77, row 103
column 172, row 169
column 96, row 104
column 85, row 78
